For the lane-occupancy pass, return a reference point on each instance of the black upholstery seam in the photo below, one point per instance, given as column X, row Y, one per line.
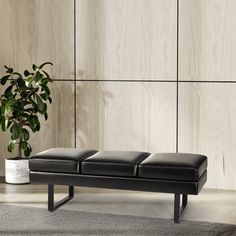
column 164, row 167
column 108, row 163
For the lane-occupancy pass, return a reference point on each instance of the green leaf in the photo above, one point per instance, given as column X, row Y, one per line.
column 10, row 102
column 30, row 110
column 33, row 123
column 4, row 79
column 31, row 92
column 28, row 81
column 9, row 106
column 43, row 96
column 24, row 92
column 38, row 127
column 27, row 148
column 8, row 69
column 50, row 100
column 38, row 77
column 16, row 131
column 28, row 151
column 26, row 134
column 46, row 63
column 24, row 116
column 3, row 110
column 34, row 67
column 11, row 145
column 47, row 75
column 34, row 106
column 46, row 89
column 33, row 129
column 20, row 82
column 46, row 116
column 8, row 92
column 44, row 110
column 26, row 73
column 39, row 102
column 5, row 122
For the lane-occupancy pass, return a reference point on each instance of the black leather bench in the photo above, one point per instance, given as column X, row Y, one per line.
column 181, row 174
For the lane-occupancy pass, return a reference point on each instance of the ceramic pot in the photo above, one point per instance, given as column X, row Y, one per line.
column 17, row 170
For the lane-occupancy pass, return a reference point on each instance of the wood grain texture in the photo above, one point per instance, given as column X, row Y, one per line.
column 207, row 40
column 126, row 39
column 35, row 31
column 126, row 116
column 4, row 140
column 57, row 131
column 207, row 125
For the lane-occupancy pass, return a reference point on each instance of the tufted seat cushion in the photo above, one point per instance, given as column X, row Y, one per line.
column 59, row 160
column 113, row 163
column 173, row 166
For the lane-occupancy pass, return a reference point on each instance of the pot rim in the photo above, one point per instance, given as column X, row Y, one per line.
column 17, row 159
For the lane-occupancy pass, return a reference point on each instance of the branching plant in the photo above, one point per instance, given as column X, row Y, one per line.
column 25, row 97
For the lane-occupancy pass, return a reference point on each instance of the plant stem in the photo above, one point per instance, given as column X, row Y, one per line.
column 20, row 147
column 25, row 98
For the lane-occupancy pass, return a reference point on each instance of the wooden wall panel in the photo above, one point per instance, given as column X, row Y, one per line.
column 126, row 39
column 57, row 131
column 4, row 139
column 126, row 116
column 207, row 40
column 207, row 125
column 35, row 31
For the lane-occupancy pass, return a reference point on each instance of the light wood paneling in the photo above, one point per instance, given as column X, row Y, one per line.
column 57, row 131
column 207, row 125
column 126, row 116
column 126, row 39
column 207, row 40
column 35, row 31
column 4, row 140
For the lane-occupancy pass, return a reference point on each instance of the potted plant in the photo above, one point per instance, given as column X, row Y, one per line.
column 24, row 98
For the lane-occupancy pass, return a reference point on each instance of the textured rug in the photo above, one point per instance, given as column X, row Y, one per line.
column 34, row 221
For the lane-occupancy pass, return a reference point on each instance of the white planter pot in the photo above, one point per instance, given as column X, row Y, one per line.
column 17, row 171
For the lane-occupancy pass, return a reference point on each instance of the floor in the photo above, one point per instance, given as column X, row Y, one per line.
column 211, row 205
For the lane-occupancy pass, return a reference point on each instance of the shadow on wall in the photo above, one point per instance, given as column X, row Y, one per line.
column 58, row 130
column 91, row 114
column 92, row 96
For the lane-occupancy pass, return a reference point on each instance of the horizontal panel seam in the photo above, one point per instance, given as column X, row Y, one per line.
column 149, row 81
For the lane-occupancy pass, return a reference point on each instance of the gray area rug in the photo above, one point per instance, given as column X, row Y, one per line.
column 34, row 221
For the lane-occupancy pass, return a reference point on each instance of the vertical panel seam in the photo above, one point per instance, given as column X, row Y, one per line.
column 75, row 69
column 177, row 78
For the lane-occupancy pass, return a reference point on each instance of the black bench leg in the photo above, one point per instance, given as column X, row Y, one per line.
column 180, row 210
column 53, row 206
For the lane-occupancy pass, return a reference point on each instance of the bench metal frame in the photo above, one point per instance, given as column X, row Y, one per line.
column 53, row 206
column 178, row 188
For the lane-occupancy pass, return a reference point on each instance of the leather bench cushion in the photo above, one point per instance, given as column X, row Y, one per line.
column 59, row 160
column 113, row 163
column 173, row 166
